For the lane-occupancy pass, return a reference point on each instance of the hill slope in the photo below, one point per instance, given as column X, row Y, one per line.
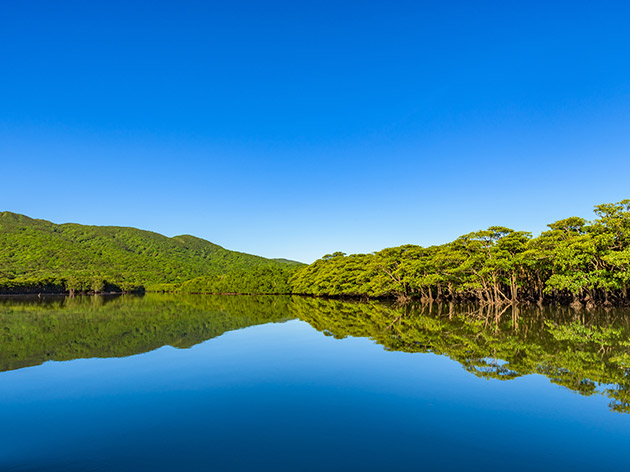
column 38, row 249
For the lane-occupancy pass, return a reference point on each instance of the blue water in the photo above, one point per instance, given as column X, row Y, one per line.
column 283, row 396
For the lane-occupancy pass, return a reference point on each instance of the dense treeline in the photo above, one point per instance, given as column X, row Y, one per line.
column 575, row 261
column 77, row 283
column 258, row 280
column 38, row 256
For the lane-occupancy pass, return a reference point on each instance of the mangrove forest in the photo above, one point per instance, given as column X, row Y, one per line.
column 577, row 262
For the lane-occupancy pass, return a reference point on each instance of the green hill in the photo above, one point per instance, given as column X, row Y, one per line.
column 46, row 256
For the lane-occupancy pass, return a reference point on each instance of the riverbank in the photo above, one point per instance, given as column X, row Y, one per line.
column 562, row 300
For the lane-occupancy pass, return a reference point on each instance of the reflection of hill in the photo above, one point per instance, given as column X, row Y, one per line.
column 585, row 353
column 34, row 331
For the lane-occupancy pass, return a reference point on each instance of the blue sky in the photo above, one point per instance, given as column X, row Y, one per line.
column 294, row 129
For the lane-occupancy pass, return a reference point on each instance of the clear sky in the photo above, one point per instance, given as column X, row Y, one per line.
column 293, row 129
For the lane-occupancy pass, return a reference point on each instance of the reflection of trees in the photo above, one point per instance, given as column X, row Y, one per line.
column 33, row 331
column 586, row 352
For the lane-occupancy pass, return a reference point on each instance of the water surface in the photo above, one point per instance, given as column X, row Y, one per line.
column 202, row 383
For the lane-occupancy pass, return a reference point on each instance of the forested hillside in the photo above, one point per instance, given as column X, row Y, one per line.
column 37, row 255
column 575, row 261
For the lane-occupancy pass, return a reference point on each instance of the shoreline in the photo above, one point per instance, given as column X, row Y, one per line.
column 563, row 302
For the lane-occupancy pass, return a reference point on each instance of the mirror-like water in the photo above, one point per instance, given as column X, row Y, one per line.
column 196, row 383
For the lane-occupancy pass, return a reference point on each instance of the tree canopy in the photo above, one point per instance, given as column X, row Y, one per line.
column 40, row 256
column 575, row 261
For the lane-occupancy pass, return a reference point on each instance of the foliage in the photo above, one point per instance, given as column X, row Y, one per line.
column 37, row 256
column 257, row 280
column 575, row 261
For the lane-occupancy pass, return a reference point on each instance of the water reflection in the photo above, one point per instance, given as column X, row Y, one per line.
column 587, row 352
column 35, row 330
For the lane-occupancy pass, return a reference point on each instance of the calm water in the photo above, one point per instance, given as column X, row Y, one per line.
column 203, row 383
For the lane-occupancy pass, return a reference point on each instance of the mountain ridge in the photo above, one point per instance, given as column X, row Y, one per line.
column 38, row 249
